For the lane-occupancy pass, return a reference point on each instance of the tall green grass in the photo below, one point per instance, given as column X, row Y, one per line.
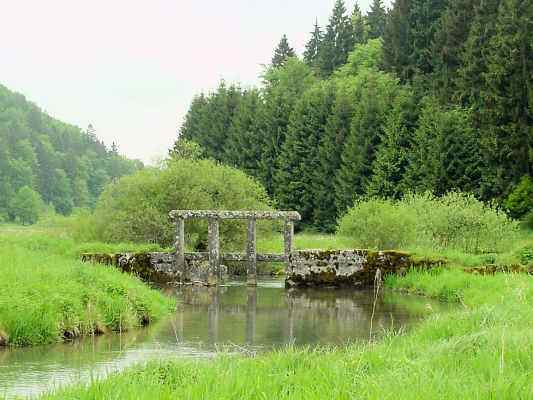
column 481, row 350
column 46, row 295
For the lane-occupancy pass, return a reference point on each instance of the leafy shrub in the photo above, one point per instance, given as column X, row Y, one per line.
column 454, row 221
column 135, row 209
column 520, row 201
column 377, row 224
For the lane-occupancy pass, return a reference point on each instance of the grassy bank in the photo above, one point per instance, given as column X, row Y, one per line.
column 483, row 349
column 46, row 295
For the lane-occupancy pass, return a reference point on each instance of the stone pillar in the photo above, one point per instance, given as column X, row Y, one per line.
column 251, row 254
column 214, row 252
column 180, row 248
column 288, row 239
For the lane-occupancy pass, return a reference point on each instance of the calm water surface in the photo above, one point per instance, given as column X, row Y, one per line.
column 232, row 317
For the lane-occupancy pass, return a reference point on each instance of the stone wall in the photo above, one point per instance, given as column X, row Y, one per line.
column 352, row 268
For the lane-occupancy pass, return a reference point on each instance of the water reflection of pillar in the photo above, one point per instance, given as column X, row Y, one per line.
column 290, row 308
column 251, row 312
column 212, row 315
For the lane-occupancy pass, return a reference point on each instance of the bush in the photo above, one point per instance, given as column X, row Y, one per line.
column 455, row 221
column 135, row 209
column 520, row 201
column 377, row 224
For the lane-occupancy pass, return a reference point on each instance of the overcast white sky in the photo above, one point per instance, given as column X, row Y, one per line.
column 131, row 67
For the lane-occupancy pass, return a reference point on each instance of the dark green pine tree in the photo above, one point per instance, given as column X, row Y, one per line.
column 299, row 159
column 376, row 19
column 243, row 145
column 338, row 40
column 359, row 24
column 424, row 21
column 473, row 60
column 312, row 48
column 283, row 87
column 282, row 52
column 396, row 43
column 376, row 93
column 330, row 150
column 391, row 160
column 508, row 98
column 448, row 44
column 445, row 154
column 408, row 38
column 209, row 119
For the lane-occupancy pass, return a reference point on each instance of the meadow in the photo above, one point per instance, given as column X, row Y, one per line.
column 48, row 295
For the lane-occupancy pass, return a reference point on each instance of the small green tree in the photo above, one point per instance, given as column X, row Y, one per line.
column 26, row 206
column 520, row 201
column 282, row 52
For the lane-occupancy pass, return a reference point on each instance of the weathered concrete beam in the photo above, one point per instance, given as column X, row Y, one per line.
column 237, row 257
column 225, row 214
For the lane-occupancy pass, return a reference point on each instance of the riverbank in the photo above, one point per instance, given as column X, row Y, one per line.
column 47, row 295
column 483, row 349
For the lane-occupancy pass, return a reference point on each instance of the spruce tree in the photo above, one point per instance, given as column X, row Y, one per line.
column 375, row 94
column 446, row 154
column 295, row 177
column 330, row 150
column 376, row 18
column 338, row 41
column 424, row 21
column 243, row 145
column 391, row 160
column 312, row 48
column 508, row 98
column 359, row 24
column 396, row 41
column 282, row 52
column 448, row 44
column 283, row 87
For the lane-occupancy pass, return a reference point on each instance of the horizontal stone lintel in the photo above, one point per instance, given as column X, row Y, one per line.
column 224, row 214
column 235, row 257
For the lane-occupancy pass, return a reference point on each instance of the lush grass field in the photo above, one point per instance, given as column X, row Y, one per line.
column 482, row 350
column 46, row 295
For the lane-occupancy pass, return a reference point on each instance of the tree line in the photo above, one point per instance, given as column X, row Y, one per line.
column 44, row 161
column 427, row 96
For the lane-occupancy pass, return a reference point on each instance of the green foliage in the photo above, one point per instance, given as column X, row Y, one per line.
column 454, row 221
column 282, row 52
column 437, row 95
column 376, row 19
column 299, row 159
column 46, row 296
column 26, row 206
column 445, row 155
column 378, row 224
column 135, row 209
column 364, row 56
column 520, row 200
column 186, row 149
column 375, row 93
column 66, row 166
column 338, row 40
column 312, row 47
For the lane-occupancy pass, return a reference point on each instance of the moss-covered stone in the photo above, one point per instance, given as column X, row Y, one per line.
column 353, row 268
